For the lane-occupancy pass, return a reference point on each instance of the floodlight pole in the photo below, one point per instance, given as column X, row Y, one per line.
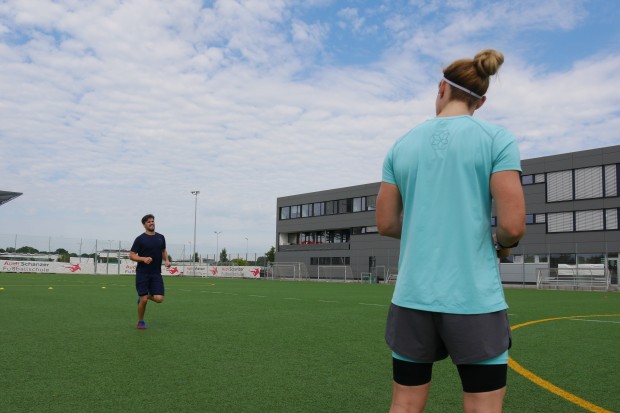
column 217, row 246
column 246, row 250
column 195, row 193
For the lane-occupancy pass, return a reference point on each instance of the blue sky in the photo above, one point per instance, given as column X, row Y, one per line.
column 110, row 110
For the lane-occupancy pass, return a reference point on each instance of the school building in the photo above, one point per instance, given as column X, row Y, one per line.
column 572, row 207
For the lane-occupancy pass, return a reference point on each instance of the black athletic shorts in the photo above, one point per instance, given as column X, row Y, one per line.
column 426, row 337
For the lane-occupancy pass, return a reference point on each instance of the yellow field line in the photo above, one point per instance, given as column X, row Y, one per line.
column 550, row 386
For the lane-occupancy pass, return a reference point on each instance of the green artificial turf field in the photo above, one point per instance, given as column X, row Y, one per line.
column 270, row 346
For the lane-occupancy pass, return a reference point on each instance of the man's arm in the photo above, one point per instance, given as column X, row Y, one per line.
column 389, row 211
column 507, row 192
column 164, row 255
column 135, row 257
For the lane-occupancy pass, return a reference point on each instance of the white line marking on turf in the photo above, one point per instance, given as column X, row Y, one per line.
column 328, row 301
column 290, row 298
column 259, row 296
column 376, row 305
column 595, row 321
column 187, row 290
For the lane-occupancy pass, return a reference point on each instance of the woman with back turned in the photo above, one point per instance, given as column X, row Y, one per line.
column 438, row 184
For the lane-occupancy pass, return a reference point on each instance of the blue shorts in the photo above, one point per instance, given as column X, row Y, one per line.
column 149, row 284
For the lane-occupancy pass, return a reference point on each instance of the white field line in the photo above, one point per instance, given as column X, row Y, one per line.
column 594, row 321
column 291, row 298
column 375, row 305
column 328, row 301
column 259, row 296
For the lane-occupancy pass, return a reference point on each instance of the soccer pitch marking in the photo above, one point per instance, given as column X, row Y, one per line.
column 286, row 298
column 548, row 385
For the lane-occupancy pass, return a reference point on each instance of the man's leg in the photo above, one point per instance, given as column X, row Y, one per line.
column 156, row 298
column 142, row 307
column 412, row 382
column 156, row 288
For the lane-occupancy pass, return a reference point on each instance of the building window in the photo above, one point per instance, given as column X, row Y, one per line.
column 560, row 186
column 371, row 202
column 589, row 220
column 539, row 178
column 345, row 206
column 285, row 212
column 529, row 219
column 319, row 209
column 371, row 230
column 611, row 219
column 561, row 259
column 560, row 222
column 611, row 180
column 540, row 218
column 295, row 211
column 527, row 179
column 331, row 207
column 307, row 237
column 330, row 260
column 341, row 261
column 306, row 210
column 598, row 259
column 589, row 183
column 359, row 204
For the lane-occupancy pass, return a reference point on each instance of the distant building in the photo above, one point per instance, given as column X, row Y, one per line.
column 572, row 208
column 6, row 196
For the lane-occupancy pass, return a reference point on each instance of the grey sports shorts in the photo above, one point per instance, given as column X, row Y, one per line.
column 426, row 337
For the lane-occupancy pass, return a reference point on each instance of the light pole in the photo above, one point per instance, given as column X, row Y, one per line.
column 195, row 193
column 246, row 250
column 217, row 245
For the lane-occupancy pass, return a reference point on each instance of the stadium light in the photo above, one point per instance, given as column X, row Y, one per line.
column 195, row 193
column 217, row 245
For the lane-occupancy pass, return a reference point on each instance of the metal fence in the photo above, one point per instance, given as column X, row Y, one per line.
column 51, row 248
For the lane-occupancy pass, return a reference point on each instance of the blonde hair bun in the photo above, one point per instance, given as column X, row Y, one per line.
column 488, row 61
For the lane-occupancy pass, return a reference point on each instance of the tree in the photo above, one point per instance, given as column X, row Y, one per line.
column 240, row 262
column 262, row 261
column 271, row 254
column 61, row 251
column 223, row 255
column 27, row 250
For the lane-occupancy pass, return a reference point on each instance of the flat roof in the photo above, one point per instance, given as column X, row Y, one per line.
column 6, row 196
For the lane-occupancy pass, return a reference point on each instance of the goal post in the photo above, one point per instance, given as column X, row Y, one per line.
column 335, row 272
column 288, row 270
column 368, row 277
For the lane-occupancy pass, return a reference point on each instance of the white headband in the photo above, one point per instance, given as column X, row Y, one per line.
column 462, row 88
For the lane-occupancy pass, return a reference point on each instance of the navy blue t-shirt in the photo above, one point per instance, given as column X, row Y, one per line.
column 149, row 246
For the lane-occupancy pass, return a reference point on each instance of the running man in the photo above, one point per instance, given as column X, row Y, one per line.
column 148, row 250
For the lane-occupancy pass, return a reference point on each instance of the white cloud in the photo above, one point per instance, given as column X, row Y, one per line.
column 112, row 110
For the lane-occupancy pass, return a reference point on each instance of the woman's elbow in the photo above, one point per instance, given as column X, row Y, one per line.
column 514, row 230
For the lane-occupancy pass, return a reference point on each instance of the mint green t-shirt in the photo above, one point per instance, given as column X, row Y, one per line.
column 447, row 259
